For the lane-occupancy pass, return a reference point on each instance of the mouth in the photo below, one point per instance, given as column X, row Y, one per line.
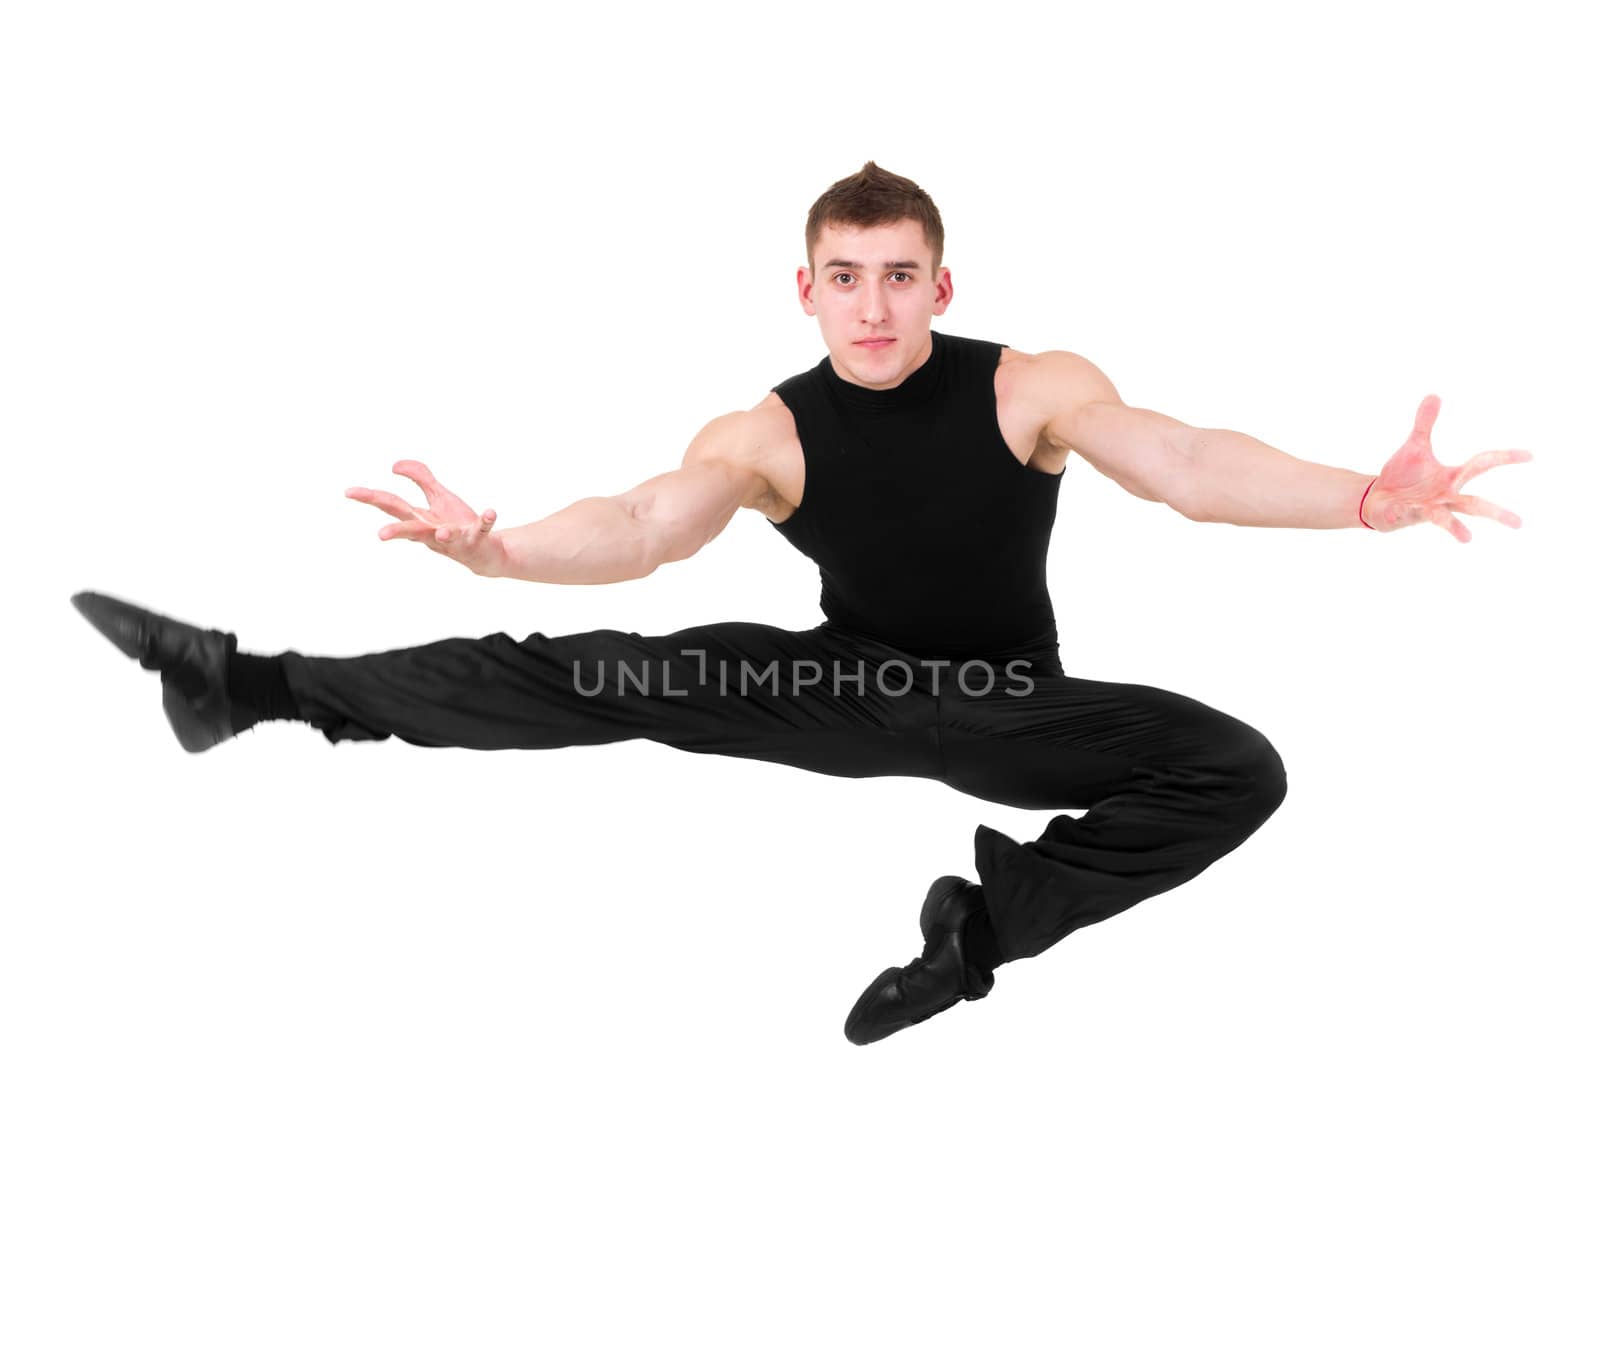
column 875, row 342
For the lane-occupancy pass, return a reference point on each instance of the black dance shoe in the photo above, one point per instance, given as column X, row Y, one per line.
column 193, row 664
column 935, row 980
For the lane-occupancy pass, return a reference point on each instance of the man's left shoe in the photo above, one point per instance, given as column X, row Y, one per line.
column 938, row 978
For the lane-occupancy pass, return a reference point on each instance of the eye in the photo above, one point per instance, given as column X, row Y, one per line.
column 840, row 275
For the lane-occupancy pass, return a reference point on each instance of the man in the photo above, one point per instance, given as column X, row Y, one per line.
column 920, row 471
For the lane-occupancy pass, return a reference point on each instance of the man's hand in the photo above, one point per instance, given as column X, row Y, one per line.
column 449, row 526
column 1415, row 486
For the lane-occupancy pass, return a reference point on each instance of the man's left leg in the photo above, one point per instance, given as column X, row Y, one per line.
column 1170, row 785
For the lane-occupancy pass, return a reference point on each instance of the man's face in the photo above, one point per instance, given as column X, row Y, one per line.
column 876, row 282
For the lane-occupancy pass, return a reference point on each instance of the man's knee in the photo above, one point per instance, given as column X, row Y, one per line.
column 1268, row 782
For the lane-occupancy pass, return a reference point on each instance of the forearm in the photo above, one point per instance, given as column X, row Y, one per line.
column 594, row 541
column 1239, row 480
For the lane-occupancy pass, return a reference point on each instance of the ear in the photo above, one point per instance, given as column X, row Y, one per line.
column 803, row 284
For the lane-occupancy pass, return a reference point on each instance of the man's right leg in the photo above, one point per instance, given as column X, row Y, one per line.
column 741, row 689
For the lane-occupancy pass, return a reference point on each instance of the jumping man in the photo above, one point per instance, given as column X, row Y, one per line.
column 920, row 471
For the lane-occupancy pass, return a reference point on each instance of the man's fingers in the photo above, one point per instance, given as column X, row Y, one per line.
column 415, row 470
column 438, row 495
column 412, row 528
column 455, row 537
column 441, row 499
column 385, row 501
column 1491, row 458
column 1487, row 509
column 1427, row 414
column 418, row 473
column 1449, row 523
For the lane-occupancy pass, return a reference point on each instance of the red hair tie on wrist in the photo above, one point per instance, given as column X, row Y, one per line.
column 1362, row 506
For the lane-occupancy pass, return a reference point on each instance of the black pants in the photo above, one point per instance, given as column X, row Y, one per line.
column 1170, row 785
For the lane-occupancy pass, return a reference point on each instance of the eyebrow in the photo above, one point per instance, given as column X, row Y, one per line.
column 860, row 266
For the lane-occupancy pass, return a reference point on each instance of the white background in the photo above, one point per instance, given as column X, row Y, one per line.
column 380, row 1044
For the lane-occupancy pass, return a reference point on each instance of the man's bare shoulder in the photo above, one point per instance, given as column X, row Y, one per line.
column 774, row 449
column 1046, row 389
column 1047, row 380
column 763, row 441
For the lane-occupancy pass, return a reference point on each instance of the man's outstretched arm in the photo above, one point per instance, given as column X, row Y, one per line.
column 1225, row 477
column 597, row 540
column 1240, row 480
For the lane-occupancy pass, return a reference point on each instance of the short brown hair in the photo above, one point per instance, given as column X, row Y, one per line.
column 874, row 196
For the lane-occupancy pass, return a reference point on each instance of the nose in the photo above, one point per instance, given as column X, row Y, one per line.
column 875, row 305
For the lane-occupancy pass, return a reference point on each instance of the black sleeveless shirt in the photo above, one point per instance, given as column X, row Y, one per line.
column 929, row 535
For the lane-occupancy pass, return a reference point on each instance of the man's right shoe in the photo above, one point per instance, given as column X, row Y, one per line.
column 932, row 982
column 193, row 664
